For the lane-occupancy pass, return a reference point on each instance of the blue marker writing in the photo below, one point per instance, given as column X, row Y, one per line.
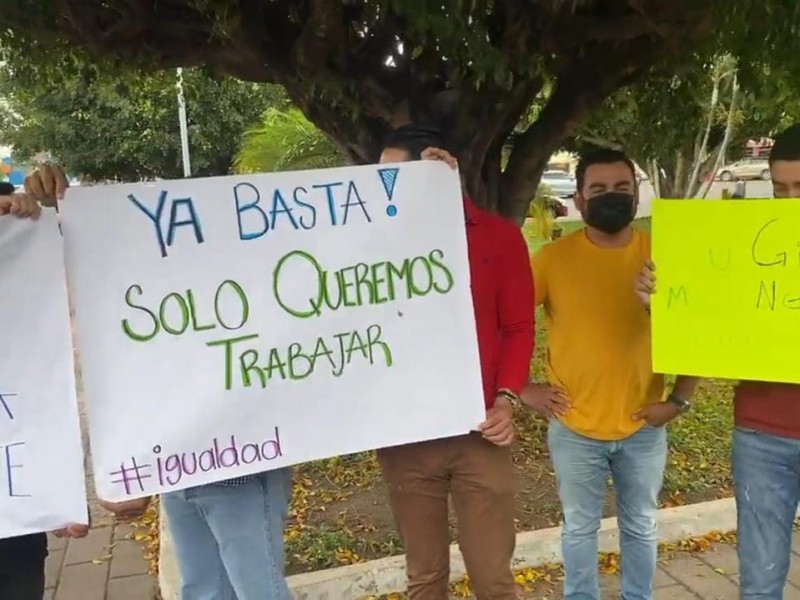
column 191, row 219
column 389, row 180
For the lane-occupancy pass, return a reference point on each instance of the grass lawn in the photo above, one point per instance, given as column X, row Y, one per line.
column 340, row 513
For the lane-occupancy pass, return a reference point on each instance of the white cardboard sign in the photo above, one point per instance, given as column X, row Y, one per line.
column 41, row 460
column 233, row 325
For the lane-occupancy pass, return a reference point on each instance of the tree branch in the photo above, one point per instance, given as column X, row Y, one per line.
column 607, row 67
column 601, row 142
column 728, row 132
column 569, row 104
column 480, row 67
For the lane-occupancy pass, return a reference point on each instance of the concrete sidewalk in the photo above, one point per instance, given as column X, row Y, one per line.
column 710, row 575
column 106, row 565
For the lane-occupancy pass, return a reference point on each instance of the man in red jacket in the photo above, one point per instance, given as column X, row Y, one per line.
column 474, row 469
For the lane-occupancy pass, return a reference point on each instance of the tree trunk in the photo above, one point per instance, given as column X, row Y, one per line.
column 570, row 103
column 701, row 155
column 678, row 175
column 477, row 126
column 668, row 186
column 654, row 172
column 728, row 131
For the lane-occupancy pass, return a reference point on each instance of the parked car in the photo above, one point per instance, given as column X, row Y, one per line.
column 747, row 168
column 561, row 183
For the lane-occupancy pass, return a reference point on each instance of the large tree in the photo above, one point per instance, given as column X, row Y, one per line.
column 101, row 126
column 358, row 67
column 682, row 127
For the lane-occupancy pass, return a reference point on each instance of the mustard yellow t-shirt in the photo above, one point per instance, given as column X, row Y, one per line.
column 599, row 333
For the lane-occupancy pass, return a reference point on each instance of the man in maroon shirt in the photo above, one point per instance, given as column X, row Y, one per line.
column 766, row 440
column 474, row 469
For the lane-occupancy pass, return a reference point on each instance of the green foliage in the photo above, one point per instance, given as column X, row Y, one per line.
column 695, row 462
column 665, row 118
column 104, row 126
column 360, row 67
column 285, row 141
column 763, row 34
column 541, row 220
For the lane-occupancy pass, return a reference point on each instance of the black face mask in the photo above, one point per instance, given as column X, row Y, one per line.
column 610, row 212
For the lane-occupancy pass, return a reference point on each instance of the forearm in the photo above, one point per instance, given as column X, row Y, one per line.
column 516, row 315
column 685, row 386
column 515, row 360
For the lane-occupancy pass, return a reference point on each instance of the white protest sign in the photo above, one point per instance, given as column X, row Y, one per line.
column 41, row 458
column 234, row 325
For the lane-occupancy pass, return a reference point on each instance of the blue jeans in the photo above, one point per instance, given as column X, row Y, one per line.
column 766, row 473
column 583, row 466
column 229, row 539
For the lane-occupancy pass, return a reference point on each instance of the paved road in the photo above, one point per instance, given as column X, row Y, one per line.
column 755, row 189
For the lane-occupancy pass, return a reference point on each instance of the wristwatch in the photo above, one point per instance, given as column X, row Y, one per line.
column 508, row 395
column 683, row 405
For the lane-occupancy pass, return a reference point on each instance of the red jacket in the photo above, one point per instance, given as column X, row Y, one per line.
column 503, row 297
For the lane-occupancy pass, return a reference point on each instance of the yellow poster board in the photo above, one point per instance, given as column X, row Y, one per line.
column 727, row 300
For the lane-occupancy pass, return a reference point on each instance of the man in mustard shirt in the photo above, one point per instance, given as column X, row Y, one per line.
column 606, row 406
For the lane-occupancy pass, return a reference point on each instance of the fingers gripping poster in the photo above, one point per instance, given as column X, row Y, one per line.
column 41, row 459
column 234, row 325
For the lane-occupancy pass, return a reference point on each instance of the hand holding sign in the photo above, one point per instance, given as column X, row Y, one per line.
column 129, row 509
column 43, row 187
column 646, row 283
column 440, row 154
column 47, row 184
column 20, row 205
column 73, row 530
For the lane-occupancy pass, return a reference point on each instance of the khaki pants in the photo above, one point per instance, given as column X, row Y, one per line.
column 479, row 477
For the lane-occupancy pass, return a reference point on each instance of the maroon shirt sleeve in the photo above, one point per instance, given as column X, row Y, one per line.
column 517, row 312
